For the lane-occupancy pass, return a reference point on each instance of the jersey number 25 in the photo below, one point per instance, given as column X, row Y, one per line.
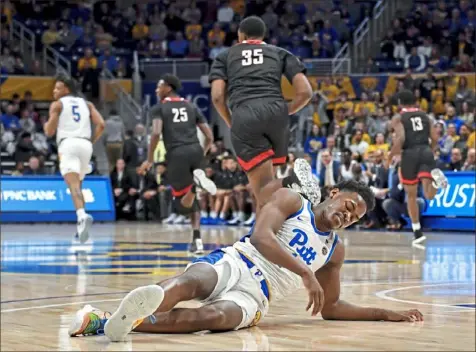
column 250, row 57
column 180, row 115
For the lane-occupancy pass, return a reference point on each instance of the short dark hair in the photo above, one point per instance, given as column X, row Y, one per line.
column 363, row 190
column 67, row 81
column 406, row 97
column 253, row 27
column 130, row 133
column 173, row 81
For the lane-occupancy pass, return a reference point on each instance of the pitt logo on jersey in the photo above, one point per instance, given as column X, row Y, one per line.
column 298, row 243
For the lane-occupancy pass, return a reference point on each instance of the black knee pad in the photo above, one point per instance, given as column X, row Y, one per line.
column 180, row 209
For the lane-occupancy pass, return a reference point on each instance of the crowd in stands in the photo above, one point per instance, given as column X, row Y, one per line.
column 104, row 36
column 437, row 35
column 351, row 138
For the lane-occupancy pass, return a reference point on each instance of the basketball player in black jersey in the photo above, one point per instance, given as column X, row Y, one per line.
column 249, row 75
column 176, row 119
column 415, row 138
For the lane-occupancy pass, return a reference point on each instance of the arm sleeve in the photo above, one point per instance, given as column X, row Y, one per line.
column 156, row 113
column 292, row 65
column 218, row 69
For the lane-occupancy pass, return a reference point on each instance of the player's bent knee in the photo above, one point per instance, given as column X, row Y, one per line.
column 182, row 210
column 221, row 316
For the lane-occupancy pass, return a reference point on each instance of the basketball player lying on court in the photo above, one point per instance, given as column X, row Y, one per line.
column 293, row 242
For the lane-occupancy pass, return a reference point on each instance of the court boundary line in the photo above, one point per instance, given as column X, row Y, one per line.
column 59, row 297
column 344, row 284
column 383, row 295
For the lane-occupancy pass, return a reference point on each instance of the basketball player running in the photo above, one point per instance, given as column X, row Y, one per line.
column 249, row 75
column 70, row 118
column 413, row 131
column 177, row 119
column 293, row 243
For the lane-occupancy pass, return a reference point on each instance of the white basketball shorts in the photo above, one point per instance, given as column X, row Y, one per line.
column 237, row 282
column 74, row 156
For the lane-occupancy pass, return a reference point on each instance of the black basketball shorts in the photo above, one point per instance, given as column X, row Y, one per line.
column 259, row 132
column 416, row 163
column 181, row 161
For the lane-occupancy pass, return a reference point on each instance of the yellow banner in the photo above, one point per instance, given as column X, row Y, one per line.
column 42, row 87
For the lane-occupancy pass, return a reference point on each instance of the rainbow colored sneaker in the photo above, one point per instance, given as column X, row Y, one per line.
column 88, row 321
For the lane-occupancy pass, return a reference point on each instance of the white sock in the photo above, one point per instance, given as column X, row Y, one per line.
column 222, row 215
column 80, row 213
column 213, row 214
column 241, row 215
column 416, row 226
column 235, row 214
column 203, row 214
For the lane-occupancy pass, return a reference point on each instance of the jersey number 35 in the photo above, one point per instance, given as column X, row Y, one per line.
column 250, row 57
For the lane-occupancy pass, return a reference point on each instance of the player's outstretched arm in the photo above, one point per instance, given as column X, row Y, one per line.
column 97, row 121
column 338, row 309
column 284, row 203
column 219, row 100
column 52, row 124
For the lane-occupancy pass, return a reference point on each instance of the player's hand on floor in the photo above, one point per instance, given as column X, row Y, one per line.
column 315, row 292
column 411, row 315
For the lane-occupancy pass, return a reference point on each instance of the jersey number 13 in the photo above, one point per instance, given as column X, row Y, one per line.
column 416, row 123
column 252, row 57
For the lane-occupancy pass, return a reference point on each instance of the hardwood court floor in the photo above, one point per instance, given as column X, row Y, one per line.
column 43, row 282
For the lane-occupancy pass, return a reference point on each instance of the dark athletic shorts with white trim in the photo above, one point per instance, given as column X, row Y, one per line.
column 417, row 163
column 259, row 132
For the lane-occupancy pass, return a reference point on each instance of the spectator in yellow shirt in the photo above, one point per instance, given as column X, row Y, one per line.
column 364, row 103
column 360, row 126
column 215, row 34
column 451, row 131
column 51, row 35
column 471, row 140
column 345, row 103
column 193, row 29
column 438, row 98
column 140, row 29
column 379, row 144
column 88, row 61
column 339, row 118
column 330, row 90
column 421, row 102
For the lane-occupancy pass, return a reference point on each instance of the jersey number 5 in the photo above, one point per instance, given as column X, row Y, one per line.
column 416, row 123
column 180, row 115
column 76, row 115
column 250, row 57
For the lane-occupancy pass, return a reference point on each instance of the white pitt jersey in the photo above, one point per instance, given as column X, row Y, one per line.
column 300, row 236
column 74, row 120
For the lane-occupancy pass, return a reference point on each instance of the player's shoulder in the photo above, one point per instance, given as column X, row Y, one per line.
column 222, row 56
column 288, row 200
column 156, row 109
